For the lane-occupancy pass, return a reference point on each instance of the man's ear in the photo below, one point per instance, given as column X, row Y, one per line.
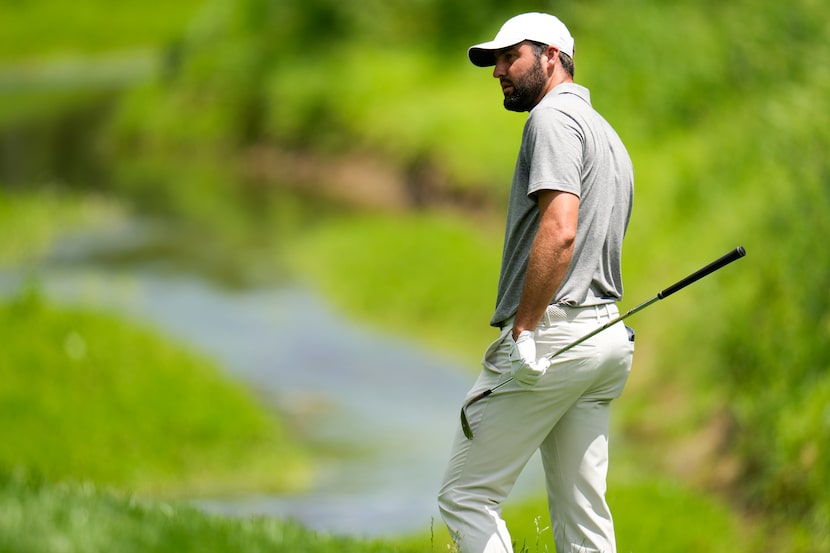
column 552, row 54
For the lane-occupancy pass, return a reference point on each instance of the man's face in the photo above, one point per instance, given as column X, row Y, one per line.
column 522, row 77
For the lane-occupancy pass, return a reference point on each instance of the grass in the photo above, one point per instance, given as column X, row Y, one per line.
column 649, row 515
column 41, row 517
column 68, row 517
column 88, row 396
column 37, row 516
column 657, row 514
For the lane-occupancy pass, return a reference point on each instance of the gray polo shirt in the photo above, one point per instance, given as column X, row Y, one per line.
column 568, row 146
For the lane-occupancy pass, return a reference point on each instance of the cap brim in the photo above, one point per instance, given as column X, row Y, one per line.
column 484, row 54
column 482, row 57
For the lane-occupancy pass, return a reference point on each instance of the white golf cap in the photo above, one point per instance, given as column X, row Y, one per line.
column 535, row 26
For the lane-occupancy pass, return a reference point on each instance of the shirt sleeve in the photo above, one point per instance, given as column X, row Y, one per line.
column 554, row 152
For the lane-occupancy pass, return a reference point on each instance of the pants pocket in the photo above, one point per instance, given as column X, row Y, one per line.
column 496, row 355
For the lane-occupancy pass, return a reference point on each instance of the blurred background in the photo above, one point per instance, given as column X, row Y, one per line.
column 249, row 251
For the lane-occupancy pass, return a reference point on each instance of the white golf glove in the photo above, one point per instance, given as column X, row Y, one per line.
column 527, row 370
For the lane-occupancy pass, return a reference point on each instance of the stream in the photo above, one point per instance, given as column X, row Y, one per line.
column 387, row 404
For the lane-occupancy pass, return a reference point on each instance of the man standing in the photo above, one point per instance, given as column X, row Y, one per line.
column 560, row 278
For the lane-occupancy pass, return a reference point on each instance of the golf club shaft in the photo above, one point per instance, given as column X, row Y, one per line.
column 719, row 263
column 679, row 285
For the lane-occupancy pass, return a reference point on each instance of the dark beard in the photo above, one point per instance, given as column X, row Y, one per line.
column 527, row 91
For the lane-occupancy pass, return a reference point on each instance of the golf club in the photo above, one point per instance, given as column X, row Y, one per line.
column 719, row 263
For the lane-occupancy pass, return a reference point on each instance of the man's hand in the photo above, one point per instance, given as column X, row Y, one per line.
column 526, row 369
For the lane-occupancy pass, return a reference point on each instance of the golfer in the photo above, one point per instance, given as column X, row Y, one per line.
column 569, row 207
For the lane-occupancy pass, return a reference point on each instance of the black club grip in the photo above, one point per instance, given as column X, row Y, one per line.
column 719, row 263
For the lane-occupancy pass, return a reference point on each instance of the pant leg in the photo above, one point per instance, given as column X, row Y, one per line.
column 575, row 457
column 482, row 472
column 575, row 454
column 479, row 477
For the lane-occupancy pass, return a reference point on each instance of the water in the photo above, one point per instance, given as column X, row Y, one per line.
column 390, row 406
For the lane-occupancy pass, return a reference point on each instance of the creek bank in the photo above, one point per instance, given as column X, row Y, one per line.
column 365, row 180
column 379, row 411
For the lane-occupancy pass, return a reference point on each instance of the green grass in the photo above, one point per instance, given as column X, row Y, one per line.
column 649, row 515
column 89, row 396
column 40, row 517
column 37, row 516
column 655, row 514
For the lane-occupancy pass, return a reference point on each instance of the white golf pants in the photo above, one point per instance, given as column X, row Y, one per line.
column 565, row 416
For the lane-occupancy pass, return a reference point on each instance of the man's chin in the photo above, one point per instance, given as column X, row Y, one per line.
column 512, row 103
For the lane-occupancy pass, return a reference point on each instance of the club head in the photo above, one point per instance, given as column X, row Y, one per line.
column 465, row 425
